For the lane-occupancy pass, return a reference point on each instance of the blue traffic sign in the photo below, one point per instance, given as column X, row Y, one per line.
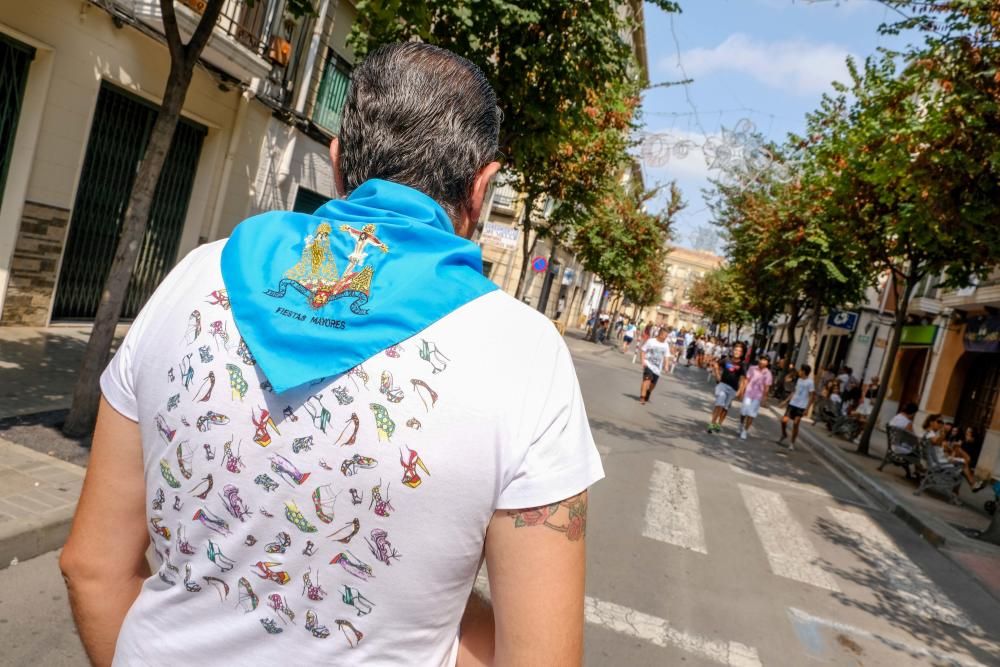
column 539, row 264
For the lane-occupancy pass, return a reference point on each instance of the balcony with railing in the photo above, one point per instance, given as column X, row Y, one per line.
column 505, row 197
column 245, row 44
column 329, row 106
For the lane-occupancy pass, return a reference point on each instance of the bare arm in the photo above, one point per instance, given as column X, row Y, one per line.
column 104, row 561
column 536, row 563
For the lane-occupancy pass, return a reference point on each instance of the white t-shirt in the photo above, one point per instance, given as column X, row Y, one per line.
column 359, row 503
column 804, row 387
column 655, row 352
column 900, row 420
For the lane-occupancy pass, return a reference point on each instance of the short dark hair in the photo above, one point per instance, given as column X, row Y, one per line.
column 807, row 369
column 910, row 409
column 421, row 116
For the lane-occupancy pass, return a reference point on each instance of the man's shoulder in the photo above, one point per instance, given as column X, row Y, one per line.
column 499, row 312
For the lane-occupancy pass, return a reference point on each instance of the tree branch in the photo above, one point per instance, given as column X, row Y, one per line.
column 194, row 47
column 171, row 31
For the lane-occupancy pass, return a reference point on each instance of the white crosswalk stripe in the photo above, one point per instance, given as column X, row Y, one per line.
column 788, row 549
column 915, row 591
column 673, row 514
column 658, row 631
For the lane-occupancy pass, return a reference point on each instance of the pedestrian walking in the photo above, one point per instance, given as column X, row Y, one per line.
column 655, row 354
column 319, row 441
column 799, row 403
column 628, row 336
column 759, row 381
column 731, row 378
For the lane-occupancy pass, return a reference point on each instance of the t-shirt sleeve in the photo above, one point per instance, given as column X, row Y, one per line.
column 561, row 459
column 118, row 379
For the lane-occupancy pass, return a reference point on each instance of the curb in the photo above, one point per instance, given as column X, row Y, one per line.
column 35, row 537
column 25, row 538
column 936, row 532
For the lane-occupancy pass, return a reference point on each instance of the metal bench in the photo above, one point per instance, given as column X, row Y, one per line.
column 899, row 440
column 940, row 475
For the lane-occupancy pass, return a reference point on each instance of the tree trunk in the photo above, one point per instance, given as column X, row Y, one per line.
column 813, row 336
column 87, row 391
column 527, row 247
column 543, row 298
column 902, row 305
column 992, row 532
column 793, row 323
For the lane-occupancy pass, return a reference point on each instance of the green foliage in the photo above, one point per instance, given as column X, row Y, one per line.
column 721, row 298
column 626, row 245
column 566, row 79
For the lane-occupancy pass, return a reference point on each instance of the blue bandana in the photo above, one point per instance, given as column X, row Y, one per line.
column 315, row 295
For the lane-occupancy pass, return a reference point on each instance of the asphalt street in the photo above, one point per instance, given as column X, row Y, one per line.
column 702, row 550
column 705, row 549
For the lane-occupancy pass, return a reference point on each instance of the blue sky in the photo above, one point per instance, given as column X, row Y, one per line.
column 768, row 61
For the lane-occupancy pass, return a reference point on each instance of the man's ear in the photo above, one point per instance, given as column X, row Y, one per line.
column 470, row 216
column 338, row 174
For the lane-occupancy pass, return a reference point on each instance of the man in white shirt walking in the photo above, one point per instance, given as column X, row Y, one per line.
column 655, row 355
column 798, row 405
column 303, row 424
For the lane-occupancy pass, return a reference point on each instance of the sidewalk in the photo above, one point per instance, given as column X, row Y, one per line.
column 38, row 367
column 38, row 495
column 942, row 524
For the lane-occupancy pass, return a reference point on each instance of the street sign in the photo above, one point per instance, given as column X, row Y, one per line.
column 539, row 264
column 842, row 319
column 500, row 235
column 568, row 275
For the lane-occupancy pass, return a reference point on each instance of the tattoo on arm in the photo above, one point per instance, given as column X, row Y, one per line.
column 568, row 516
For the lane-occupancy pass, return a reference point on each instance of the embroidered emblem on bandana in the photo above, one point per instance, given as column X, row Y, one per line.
column 315, row 276
column 303, row 319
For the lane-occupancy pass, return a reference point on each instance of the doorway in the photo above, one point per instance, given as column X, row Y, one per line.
column 118, row 138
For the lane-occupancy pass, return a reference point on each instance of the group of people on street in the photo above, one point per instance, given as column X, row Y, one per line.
column 659, row 351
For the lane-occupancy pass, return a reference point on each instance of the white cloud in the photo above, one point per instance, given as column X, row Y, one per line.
column 795, row 66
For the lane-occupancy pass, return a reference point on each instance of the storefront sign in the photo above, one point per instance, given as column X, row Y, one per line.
column 919, row 334
column 501, row 235
column 881, row 343
column 864, row 339
column 842, row 319
column 982, row 334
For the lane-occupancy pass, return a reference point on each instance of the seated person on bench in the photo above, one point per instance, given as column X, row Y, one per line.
column 904, row 420
column 935, row 433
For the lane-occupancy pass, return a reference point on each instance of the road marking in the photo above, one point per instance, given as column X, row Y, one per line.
column 804, row 619
column 801, row 486
column 672, row 512
column 655, row 630
column 903, row 579
column 659, row 632
column 788, row 550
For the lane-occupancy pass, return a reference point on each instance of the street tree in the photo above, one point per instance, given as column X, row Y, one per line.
column 785, row 245
column 623, row 243
column 183, row 58
column 917, row 173
column 720, row 297
column 548, row 60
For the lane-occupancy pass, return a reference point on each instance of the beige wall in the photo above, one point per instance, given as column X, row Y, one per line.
column 82, row 48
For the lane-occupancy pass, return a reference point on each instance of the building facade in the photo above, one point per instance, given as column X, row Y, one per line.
column 948, row 361
column 684, row 268
column 83, row 84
